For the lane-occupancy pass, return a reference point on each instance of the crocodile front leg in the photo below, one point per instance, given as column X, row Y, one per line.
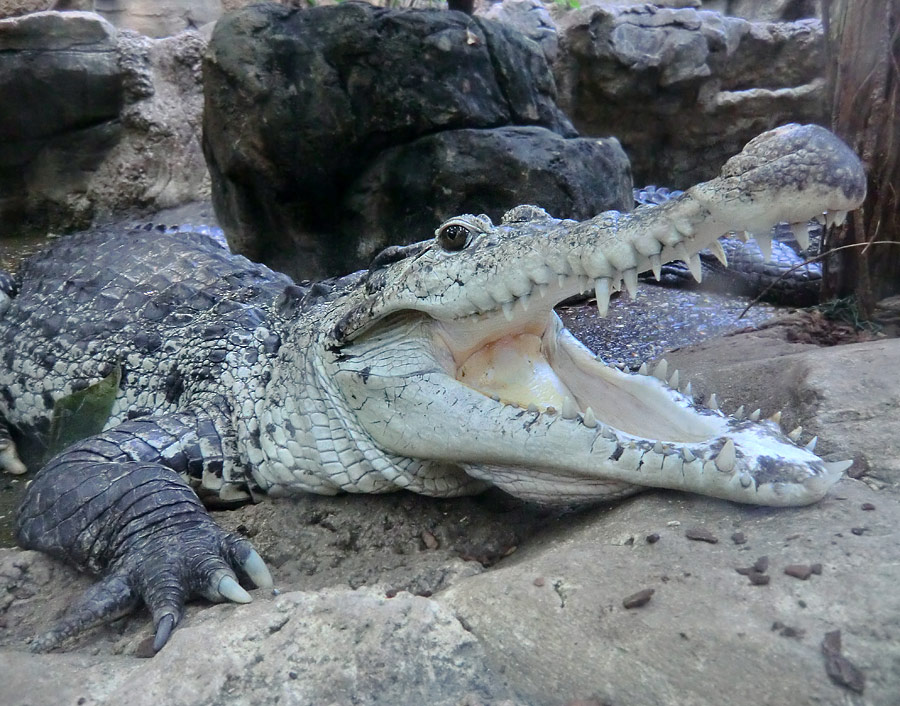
column 116, row 505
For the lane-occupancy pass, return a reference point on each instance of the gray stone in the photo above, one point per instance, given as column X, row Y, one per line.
column 337, row 91
column 105, row 121
column 480, row 171
column 683, row 89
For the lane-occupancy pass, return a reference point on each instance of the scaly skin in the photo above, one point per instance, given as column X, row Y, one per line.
column 442, row 370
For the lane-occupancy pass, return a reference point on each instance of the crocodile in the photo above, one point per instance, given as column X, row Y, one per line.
column 442, row 370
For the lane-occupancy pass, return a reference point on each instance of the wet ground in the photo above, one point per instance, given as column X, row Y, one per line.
column 657, row 320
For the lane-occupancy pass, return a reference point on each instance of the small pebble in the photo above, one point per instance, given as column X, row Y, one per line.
column 429, row 540
column 641, row 598
column 739, row 538
column 816, row 569
column 867, row 506
column 700, row 534
column 762, row 564
column 798, row 571
column 859, row 531
column 758, row 579
column 841, row 671
column 652, row 538
column 539, row 581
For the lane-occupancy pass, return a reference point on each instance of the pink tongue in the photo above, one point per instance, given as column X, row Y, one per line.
column 513, row 369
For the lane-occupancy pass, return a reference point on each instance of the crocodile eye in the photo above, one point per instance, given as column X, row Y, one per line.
column 453, row 236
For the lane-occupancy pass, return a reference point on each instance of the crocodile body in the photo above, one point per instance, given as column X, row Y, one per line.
column 441, row 370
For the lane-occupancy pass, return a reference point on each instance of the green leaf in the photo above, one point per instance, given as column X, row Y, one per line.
column 83, row 413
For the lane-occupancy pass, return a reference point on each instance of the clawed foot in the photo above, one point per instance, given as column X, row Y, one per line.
column 163, row 571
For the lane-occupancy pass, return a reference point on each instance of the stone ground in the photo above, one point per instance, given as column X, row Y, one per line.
column 407, row 600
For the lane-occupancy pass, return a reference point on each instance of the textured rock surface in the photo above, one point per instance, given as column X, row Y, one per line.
column 334, row 88
column 105, row 121
column 683, row 89
column 539, row 618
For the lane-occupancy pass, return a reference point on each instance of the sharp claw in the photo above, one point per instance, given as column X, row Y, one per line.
column 163, row 630
column 256, row 570
column 231, row 590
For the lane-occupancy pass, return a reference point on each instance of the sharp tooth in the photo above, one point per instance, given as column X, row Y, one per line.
column 840, row 217
column 673, row 381
column 742, row 235
column 801, row 234
column 630, row 278
column 601, row 292
column 507, row 310
column 836, row 467
column 562, row 281
column 713, row 402
column 656, row 266
column 696, row 267
column 764, row 242
column 661, row 370
column 794, row 435
column 739, row 413
column 681, row 253
column 688, row 392
column 727, row 457
column 590, row 421
column 542, row 290
column 811, row 446
column 719, row 252
column 643, row 370
column 569, row 408
column 523, row 300
column 829, row 218
column 754, row 415
column 776, row 417
column 687, row 455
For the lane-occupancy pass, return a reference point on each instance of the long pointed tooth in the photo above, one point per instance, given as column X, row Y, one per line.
column 713, row 402
column 688, row 392
column 661, row 370
column 631, row 282
column 727, row 456
column 811, row 446
column 719, row 252
column 542, row 290
column 673, row 381
column 656, row 266
column 837, row 466
column 601, row 292
column 643, row 370
column 739, row 413
column 687, row 455
column 839, row 217
column 589, row 420
column 794, row 434
column 754, row 415
column 829, row 219
column 696, row 267
column 569, row 408
column 764, row 242
column 524, row 301
column 561, row 280
column 507, row 310
column 801, row 234
column 776, row 417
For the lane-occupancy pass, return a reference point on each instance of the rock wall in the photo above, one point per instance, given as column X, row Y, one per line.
column 105, row 121
column 684, row 89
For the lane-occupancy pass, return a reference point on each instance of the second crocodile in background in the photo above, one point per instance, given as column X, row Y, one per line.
column 442, row 370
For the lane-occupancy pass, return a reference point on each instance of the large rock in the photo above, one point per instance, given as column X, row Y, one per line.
column 684, row 89
column 299, row 104
column 104, row 121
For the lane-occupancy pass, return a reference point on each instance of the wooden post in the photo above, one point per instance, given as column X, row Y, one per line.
column 863, row 65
